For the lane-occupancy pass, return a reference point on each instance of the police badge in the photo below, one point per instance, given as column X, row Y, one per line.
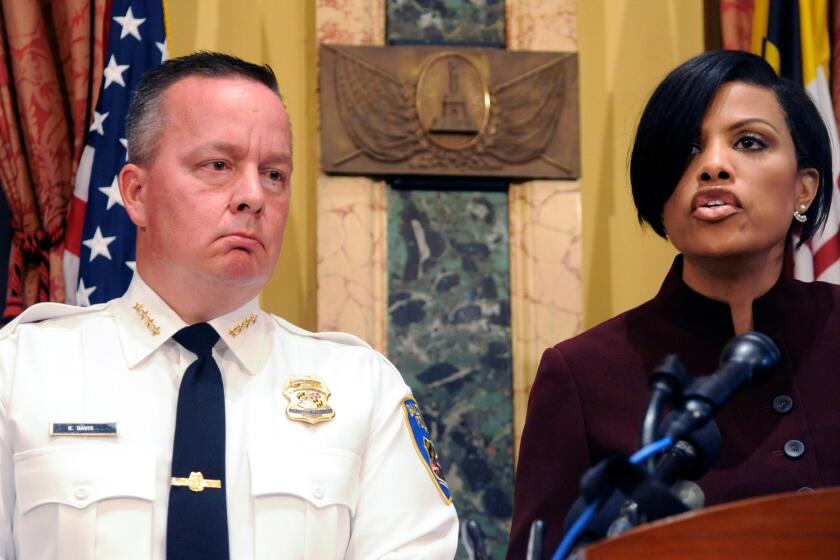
column 308, row 400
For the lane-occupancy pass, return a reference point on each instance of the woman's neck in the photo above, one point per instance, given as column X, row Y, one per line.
column 737, row 281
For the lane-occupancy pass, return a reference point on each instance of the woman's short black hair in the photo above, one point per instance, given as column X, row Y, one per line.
column 670, row 125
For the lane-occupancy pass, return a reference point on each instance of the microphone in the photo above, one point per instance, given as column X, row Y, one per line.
column 472, row 537
column 688, row 459
column 535, row 541
column 691, row 457
column 648, row 499
column 743, row 357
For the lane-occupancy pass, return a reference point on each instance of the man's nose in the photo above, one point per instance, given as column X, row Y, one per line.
column 248, row 194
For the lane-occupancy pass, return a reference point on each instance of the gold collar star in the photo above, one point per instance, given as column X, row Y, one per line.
column 146, row 318
column 243, row 324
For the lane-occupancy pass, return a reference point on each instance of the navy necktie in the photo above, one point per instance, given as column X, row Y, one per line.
column 196, row 526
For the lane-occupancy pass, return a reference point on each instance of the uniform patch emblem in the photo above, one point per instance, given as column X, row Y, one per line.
column 308, row 400
column 422, row 440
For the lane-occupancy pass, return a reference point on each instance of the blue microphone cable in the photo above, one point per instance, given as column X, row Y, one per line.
column 583, row 520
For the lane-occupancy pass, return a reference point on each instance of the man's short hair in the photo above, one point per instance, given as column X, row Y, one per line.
column 146, row 113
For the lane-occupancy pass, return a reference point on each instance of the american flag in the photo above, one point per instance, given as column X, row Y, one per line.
column 99, row 250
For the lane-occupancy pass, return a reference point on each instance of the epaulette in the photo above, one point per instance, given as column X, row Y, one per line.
column 338, row 337
column 43, row 311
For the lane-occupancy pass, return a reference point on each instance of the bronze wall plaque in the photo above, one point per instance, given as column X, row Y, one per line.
column 449, row 111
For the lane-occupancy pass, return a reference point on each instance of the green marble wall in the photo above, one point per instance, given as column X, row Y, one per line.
column 449, row 335
column 452, row 22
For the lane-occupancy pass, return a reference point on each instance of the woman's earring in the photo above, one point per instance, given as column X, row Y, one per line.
column 800, row 216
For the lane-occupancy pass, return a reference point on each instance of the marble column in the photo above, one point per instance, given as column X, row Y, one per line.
column 545, row 228
column 352, row 287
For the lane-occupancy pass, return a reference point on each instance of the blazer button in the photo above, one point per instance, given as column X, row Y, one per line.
column 782, row 404
column 805, row 489
column 794, row 449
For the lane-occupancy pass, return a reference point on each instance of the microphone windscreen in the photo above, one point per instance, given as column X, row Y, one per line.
column 753, row 348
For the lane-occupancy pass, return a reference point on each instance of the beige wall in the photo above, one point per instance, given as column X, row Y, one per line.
column 626, row 47
column 279, row 33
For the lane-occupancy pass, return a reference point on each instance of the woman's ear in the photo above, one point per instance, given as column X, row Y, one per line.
column 133, row 179
column 808, row 183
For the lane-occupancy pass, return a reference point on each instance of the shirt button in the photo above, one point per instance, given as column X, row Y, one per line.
column 317, row 492
column 794, row 449
column 782, row 404
column 81, row 493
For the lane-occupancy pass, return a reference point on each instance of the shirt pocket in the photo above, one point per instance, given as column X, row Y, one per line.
column 303, row 502
column 84, row 502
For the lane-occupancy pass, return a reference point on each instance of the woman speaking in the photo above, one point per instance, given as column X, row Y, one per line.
column 729, row 160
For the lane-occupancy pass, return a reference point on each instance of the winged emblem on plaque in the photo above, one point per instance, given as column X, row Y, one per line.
column 448, row 116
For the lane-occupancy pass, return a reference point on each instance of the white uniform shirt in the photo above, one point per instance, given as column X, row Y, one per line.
column 352, row 487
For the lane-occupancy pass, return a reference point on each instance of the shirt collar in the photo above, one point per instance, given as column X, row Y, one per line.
column 145, row 322
column 712, row 318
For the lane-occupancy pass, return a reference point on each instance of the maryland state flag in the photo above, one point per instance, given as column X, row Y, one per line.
column 792, row 35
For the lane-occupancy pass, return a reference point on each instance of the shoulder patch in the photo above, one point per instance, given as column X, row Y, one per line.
column 422, row 440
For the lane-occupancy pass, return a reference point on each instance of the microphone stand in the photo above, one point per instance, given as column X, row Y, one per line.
column 667, row 383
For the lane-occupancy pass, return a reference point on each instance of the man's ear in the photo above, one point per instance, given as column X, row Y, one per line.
column 133, row 187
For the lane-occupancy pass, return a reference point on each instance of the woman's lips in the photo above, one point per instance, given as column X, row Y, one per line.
column 714, row 205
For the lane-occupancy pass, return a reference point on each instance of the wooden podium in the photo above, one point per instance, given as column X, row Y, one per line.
column 787, row 526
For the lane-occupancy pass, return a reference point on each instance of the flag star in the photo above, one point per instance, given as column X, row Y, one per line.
column 114, row 72
column 83, row 293
column 164, row 50
column 132, row 265
column 124, row 142
column 113, row 193
column 98, row 119
column 98, row 245
column 130, row 25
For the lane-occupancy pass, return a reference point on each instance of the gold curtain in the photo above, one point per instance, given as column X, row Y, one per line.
column 50, row 69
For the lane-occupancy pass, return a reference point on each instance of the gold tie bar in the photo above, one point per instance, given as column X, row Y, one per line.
column 196, row 482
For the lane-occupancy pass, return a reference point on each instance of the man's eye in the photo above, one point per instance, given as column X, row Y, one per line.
column 218, row 165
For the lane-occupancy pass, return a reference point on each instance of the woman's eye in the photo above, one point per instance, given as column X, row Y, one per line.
column 751, row 143
column 696, row 148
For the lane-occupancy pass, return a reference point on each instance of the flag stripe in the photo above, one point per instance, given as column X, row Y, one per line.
column 74, row 227
column 827, row 255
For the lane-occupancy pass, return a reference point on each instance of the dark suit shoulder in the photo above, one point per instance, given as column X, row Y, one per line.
column 823, row 293
column 615, row 341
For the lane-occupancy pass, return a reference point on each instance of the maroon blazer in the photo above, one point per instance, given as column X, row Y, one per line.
column 591, row 391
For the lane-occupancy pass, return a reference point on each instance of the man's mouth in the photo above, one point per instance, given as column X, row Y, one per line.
column 243, row 240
